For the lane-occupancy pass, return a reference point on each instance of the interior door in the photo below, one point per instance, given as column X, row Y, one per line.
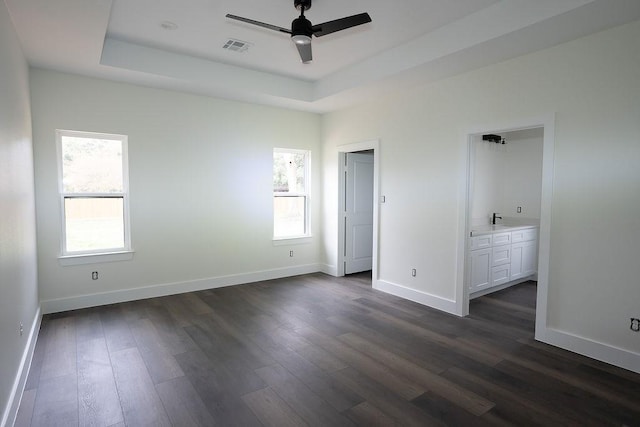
column 358, row 212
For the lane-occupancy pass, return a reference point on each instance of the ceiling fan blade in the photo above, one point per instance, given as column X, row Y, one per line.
column 259, row 24
column 305, row 52
column 340, row 24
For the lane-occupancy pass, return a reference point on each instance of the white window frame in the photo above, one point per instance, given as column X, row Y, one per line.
column 103, row 254
column 306, row 194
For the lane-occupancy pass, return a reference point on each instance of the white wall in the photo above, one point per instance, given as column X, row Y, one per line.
column 523, row 175
column 18, row 279
column 200, row 173
column 506, row 176
column 592, row 84
column 488, row 181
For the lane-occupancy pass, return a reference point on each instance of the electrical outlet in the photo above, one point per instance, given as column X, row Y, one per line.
column 413, row 272
column 635, row 325
column 519, row 209
column 21, row 329
column 94, row 275
column 291, row 254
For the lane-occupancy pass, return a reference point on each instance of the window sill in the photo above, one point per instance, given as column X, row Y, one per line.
column 67, row 260
column 302, row 240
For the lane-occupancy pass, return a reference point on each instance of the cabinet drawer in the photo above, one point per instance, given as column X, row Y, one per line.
column 501, row 255
column 481, row 242
column 530, row 234
column 501, row 238
column 525, row 235
column 500, row 274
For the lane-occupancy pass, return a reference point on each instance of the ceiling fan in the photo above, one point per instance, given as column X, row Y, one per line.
column 302, row 30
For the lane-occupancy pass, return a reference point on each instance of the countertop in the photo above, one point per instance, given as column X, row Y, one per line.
column 480, row 230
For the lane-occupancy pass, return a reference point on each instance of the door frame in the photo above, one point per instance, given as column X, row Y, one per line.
column 547, row 122
column 373, row 145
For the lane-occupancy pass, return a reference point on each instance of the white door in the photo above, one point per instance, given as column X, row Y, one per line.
column 358, row 213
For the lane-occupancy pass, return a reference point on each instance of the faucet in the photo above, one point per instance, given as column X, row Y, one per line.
column 496, row 215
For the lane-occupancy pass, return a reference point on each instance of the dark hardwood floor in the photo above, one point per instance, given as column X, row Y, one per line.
column 315, row 350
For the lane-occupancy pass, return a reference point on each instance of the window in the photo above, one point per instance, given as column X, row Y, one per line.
column 93, row 182
column 290, row 193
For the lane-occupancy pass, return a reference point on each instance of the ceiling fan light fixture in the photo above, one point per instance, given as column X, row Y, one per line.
column 301, row 39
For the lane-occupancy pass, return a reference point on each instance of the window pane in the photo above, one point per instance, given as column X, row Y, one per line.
column 91, row 165
column 288, row 216
column 94, row 223
column 288, row 172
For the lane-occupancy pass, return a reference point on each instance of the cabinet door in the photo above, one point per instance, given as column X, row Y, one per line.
column 517, row 267
column 480, row 269
column 529, row 258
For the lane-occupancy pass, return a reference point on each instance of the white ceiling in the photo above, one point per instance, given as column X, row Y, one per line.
column 408, row 42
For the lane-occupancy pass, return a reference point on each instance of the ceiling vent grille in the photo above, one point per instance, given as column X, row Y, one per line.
column 236, row 45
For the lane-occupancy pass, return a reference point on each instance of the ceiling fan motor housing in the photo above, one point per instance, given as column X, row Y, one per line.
column 301, row 27
column 302, row 3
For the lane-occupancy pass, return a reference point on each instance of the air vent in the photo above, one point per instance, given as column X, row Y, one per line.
column 236, row 45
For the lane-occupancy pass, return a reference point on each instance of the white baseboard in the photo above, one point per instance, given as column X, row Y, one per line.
column 331, row 270
column 595, row 350
column 11, row 408
column 93, row 300
column 420, row 297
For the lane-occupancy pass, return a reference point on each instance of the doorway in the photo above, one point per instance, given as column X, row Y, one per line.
column 547, row 125
column 358, row 212
column 504, row 204
column 358, row 209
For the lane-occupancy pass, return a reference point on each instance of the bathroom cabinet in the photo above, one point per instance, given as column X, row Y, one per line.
column 500, row 257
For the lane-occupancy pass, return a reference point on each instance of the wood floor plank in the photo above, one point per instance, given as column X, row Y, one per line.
column 116, row 329
column 88, row 324
column 447, row 411
column 563, row 396
column 529, row 311
column 440, row 339
column 60, row 353
column 173, row 337
column 366, row 414
column 99, row 404
column 320, row 382
column 140, row 402
column 314, row 410
column 25, row 412
column 405, row 349
column 321, row 358
column 221, row 393
column 157, row 356
column 272, row 410
column 512, row 405
column 404, row 387
column 56, row 401
column 232, row 373
column 183, row 403
column 437, row 385
column 236, row 341
column 392, row 405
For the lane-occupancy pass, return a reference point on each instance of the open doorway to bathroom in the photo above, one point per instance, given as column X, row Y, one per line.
column 507, row 202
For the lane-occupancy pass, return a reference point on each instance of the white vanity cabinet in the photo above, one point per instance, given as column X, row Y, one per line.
column 501, row 257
